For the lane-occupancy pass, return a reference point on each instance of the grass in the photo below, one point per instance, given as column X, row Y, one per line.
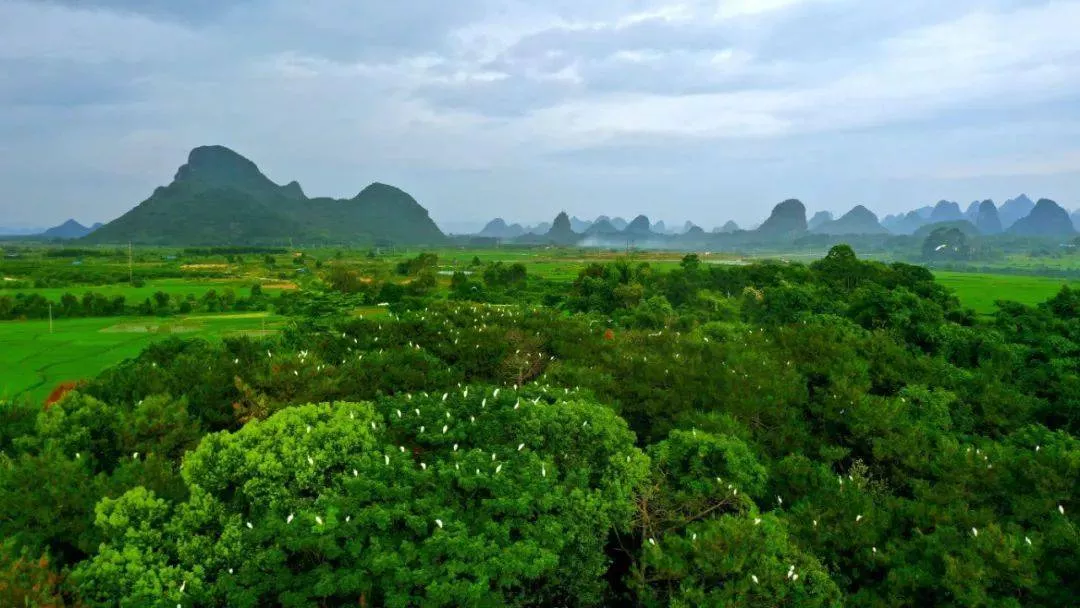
column 33, row 361
column 980, row 290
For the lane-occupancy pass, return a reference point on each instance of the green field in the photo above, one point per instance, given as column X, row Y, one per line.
column 980, row 290
column 33, row 361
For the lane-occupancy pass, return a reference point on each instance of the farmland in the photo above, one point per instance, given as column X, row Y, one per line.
column 980, row 290
column 33, row 360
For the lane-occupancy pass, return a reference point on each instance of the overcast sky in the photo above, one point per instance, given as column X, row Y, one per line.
column 701, row 110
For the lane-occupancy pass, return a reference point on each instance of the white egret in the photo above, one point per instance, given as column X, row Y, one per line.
column 288, row 520
column 754, row 578
column 521, row 446
column 498, row 468
column 444, row 428
column 250, row 527
column 387, row 459
column 757, row 521
column 975, row 532
column 438, row 522
column 318, row 520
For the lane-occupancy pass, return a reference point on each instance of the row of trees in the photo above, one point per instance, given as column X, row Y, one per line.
column 96, row 304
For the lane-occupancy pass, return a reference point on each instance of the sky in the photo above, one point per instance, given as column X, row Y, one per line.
column 699, row 110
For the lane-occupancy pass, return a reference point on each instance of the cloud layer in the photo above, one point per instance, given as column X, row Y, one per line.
column 681, row 110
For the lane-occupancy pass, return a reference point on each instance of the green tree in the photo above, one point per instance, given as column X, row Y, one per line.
column 510, row 505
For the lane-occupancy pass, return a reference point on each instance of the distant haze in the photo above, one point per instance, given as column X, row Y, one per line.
column 679, row 110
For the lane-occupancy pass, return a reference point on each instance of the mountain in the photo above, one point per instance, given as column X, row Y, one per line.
column 561, row 231
column 219, row 197
column 907, row 223
column 1014, row 209
column 972, row 211
column 728, row 227
column 539, row 229
column 859, row 220
column 1076, row 219
column 924, row 212
column 946, row 211
column 819, row 218
column 688, row 226
column 619, row 223
column 579, row 225
column 498, row 229
column 638, row 227
column 602, row 226
column 68, row 230
column 787, row 219
column 1046, row 219
column 986, row 218
column 659, row 227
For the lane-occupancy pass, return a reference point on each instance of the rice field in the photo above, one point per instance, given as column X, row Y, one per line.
column 33, row 360
column 980, row 290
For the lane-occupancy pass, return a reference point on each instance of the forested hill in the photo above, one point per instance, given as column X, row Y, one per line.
column 221, row 198
column 841, row 433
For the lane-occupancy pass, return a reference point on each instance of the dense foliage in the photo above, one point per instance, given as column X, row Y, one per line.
column 839, row 433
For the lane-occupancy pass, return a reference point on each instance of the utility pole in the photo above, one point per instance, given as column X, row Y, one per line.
column 50, row 318
column 131, row 265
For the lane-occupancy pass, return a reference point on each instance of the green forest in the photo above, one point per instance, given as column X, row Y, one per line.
column 842, row 432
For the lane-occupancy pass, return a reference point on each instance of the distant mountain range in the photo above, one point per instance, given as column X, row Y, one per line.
column 221, row 198
column 1019, row 217
column 218, row 197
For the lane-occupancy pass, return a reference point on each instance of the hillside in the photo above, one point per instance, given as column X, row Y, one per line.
column 1013, row 209
column 906, row 223
column 69, row 230
column 859, row 220
column 787, row 219
column 946, row 211
column 728, row 227
column 220, row 197
column 986, row 218
column 820, row 218
column 1046, row 219
column 497, row 228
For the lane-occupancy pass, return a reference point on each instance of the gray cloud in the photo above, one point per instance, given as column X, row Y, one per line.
column 676, row 109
